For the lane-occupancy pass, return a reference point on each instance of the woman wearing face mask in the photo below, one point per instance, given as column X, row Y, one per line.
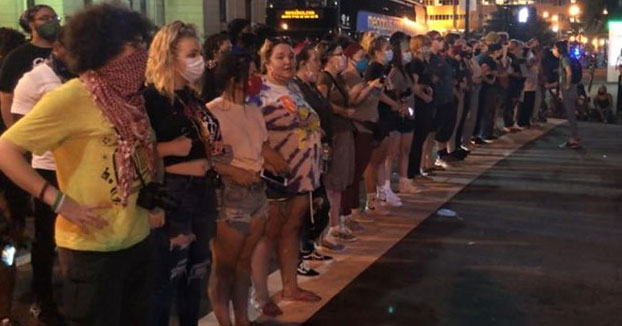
column 400, row 140
column 186, row 132
column 243, row 204
column 308, row 69
column 375, row 176
column 419, row 68
column 340, row 172
column 364, row 98
column 294, row 132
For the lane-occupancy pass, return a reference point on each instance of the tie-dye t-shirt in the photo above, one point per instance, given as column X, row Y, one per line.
column 294, row 131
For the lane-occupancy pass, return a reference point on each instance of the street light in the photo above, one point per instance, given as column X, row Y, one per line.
column 605, row 12
column 574, row 10
column 555, row 18
column 545, row 15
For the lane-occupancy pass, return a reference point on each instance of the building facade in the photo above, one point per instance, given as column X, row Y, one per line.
column 210, row 16
column 450, row 15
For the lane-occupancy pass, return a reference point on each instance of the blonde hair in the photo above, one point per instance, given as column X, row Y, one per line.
column 366, row 40
column 419, row 41
column 162, row 55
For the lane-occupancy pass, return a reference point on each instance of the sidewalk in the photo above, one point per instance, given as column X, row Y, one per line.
column 387, row 231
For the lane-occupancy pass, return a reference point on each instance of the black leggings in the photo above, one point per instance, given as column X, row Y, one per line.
column 424, row 119
column 526, row 109
column 446, row 115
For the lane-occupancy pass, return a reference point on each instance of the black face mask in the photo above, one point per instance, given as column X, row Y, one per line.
column 61, row 69
column 468, row 55
column 477, row 52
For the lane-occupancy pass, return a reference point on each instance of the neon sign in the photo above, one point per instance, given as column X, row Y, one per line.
column 300, row 14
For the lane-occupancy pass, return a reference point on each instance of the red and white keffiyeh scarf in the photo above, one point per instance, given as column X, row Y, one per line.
column 115, row 87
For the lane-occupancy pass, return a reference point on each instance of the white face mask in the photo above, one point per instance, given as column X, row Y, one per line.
column 194, row 69
column 407, row 57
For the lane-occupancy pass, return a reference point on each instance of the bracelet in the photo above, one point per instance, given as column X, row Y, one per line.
column 60, row 204
column 43, row 189
column 59, row 197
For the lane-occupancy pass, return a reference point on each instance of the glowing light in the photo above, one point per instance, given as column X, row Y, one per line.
column 545, row 15
column 602, row 42
column 555, row 28
column 523, row 15
column 284, row 26
column 595, row 43
column 572, row 38
column 574, row 10
column 605, row 12
column 555, row 18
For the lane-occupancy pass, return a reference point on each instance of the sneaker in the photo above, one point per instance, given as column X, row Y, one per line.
column 465, row 148
column 478, row 141
column 304, row 270
column 442, row 163
column 316, row 256
column 426, row 172
column 330, row 244
column 387, row 197
column 361, row 216
column 351, row 225
column 488, row 140
column 342, row 234
column 408, row 187
column 372, row 207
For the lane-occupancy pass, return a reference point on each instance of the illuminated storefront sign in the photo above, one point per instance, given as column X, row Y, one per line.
column 385, row 25
column 300, row 14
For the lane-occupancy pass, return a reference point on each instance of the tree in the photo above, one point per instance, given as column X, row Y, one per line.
column 505, row 19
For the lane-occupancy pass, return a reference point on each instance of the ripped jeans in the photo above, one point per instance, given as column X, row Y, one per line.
column 182, row 254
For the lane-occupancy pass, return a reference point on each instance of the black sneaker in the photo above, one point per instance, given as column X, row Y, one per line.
column 304, row 270
column 478, row 141
column 315, row 255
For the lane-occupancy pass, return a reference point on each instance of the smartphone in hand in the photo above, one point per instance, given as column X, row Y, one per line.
column 278, row 179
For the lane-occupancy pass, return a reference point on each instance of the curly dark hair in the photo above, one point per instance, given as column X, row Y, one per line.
column 29, row 15
column 9, row 40
column 98, row 33
column 212, row 45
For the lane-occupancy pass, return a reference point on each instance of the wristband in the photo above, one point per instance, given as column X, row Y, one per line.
column 60, row 203
column 43, row 189
column 59, row 197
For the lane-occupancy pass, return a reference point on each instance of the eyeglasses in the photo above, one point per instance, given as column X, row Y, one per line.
column 338, row 54
column 47, row 18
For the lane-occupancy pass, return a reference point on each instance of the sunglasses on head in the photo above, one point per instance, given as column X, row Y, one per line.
column 280, row 39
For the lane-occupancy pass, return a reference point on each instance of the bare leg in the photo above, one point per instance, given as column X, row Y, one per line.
column 261, row 259
column 334, row 198
column 226, row 248
column 373, row 168
column 243, row 272
column 392, row 152
column 288, row 250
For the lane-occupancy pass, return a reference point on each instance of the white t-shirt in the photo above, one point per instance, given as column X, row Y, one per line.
column 29, row 90
column 244, row 128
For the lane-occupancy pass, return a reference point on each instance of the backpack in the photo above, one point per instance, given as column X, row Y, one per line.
column 577, row 70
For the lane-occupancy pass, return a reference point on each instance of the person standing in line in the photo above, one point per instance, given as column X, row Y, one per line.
column 9, row 40
column 294, row 131
column 42, row 79
column 104, row 159
column 568, row 91
column 186, row 134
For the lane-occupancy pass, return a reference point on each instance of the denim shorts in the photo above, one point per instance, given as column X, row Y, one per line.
column 241, row 204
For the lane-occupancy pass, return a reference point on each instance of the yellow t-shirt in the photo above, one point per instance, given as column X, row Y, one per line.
column 69, row 123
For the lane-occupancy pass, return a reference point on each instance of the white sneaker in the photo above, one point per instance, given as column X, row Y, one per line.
column 408, row 187
column 387, row 197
